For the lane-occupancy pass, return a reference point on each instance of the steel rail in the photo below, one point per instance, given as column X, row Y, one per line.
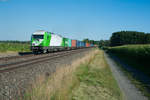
column 26, row 63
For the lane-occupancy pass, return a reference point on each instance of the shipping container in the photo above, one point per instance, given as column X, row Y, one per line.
column 87, row 44
column 70, row 42
column 83, row 44
column 91, row 45
column 95, row 45
column 78, row 44
column 74, row 43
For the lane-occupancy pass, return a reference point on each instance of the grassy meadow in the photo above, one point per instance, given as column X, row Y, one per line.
column 14, row 47
column 87, row 78
column 137, row 56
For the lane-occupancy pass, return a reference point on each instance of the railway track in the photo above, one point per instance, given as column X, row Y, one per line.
column 34, row 59
column 12, row 59
column 5, row 60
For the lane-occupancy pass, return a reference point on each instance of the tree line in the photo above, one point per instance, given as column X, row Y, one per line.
column 129, row 37
column 91, row 41
column 125, row 38
column 14, row 41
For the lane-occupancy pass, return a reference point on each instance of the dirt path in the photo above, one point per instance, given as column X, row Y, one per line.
column 129, row 91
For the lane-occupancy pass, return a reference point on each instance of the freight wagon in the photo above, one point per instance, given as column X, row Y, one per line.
column 78, row 44
column 91, row 45
column 87, row 44
column 74, row 44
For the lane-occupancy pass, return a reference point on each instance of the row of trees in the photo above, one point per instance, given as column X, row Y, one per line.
column 129, row 37
column 104, row 43
column 91, row 41
column 14, row 41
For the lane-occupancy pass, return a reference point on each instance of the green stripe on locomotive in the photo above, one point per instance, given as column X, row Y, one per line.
column 47, row 38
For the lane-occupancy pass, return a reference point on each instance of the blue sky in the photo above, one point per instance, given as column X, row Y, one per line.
column 76, row 19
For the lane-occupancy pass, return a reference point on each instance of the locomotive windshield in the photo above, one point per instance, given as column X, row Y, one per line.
column 37, row 36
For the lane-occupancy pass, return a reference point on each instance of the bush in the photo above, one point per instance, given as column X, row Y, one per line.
column 136, row 55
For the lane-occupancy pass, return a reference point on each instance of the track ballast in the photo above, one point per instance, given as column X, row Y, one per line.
column 34, row 59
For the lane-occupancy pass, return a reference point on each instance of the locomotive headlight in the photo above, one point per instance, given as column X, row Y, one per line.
column 37, row 42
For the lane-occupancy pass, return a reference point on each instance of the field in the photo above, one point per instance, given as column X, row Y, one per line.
column 87, row 78
column 137, row 56
column 15, row 47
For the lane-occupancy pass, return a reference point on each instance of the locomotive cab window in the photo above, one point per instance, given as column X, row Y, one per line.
column 38, row 36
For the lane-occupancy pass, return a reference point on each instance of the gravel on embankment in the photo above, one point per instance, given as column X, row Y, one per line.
column 8, row 54
column 130, row 92
column 14, row 83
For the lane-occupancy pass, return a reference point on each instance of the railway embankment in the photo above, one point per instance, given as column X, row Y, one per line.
column 14, row 83
column 8, row 54
column 87, row 78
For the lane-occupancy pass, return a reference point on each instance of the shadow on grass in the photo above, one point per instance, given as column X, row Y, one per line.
column 24, row 53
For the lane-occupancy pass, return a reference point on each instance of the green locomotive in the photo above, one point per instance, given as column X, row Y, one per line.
column 43, row 41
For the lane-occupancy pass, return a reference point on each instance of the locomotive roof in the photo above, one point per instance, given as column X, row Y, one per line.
column 39, row 32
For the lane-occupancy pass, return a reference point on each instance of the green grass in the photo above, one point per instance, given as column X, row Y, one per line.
column 88, row 78
column 16, row 47
column 96, row 81
column 137, row 56
column 142, row 87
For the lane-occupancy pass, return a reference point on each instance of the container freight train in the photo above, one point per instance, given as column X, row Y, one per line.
column 44, row 42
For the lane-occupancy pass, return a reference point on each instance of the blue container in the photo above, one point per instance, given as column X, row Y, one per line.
column 83, row 44
column 78, row 43
column 91, row 45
